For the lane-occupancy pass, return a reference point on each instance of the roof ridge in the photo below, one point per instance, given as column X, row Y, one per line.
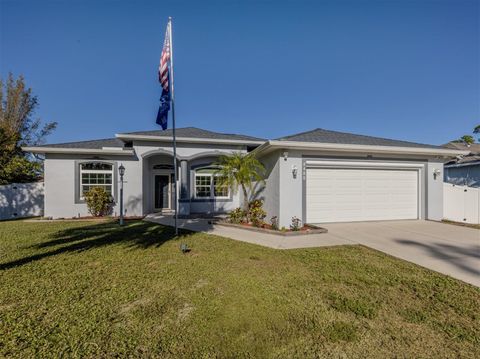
column 302, row 133
column 360, row 135
column 192, row 132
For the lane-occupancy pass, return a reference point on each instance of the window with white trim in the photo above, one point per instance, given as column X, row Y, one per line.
column 207, row 185
column 96, row 174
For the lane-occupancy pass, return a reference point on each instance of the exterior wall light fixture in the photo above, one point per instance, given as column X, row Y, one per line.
column 294, row 171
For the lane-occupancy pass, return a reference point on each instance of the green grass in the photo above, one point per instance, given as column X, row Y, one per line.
column 70, row 289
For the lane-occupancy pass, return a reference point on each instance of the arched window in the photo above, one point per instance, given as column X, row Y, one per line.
column 207, row 184
column 96, row 174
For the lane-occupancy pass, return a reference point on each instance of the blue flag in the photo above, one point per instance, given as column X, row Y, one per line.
column 162, row 116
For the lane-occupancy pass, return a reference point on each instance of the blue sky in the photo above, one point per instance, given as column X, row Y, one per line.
column 397, row 69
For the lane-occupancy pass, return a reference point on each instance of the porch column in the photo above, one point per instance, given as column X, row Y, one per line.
column 183, row 180
column 184, row 201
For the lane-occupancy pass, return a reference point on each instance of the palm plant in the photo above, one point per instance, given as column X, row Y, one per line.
column 239, row 170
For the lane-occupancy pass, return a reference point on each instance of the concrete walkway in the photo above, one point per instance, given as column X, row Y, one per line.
column 263, row 239
column 445, row 248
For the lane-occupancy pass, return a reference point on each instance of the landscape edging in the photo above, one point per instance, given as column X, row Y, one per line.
column 317, row 230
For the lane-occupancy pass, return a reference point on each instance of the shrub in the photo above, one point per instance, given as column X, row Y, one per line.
column 98, row 201
column 274, row 222
column 256, row 213
column 238, row 215
column 295, row 226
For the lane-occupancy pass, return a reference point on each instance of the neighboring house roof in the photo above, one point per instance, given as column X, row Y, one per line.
column 327, row 136
column 192, row 132
column 473, row 148
column 471, row 159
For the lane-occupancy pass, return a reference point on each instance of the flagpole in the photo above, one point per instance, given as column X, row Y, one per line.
column 175, row 205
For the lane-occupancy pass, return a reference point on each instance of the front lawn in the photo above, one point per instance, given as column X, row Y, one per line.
column 84, row 289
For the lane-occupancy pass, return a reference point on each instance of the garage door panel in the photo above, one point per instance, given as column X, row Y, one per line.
column 344, row 195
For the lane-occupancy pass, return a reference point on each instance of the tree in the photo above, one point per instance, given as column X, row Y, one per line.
column 467, row 139
column 239, row 170
column 17, row 129
column 476, row 131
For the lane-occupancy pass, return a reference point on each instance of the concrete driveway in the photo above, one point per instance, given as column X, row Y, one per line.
column 445, row 248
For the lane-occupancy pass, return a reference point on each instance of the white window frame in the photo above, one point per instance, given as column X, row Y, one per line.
column 212, row 186
column 82, row 171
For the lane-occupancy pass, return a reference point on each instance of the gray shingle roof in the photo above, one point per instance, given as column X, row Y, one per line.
column 457, row 145
column 93, row 144
column 317, row 135
column 193, row 132
column 326, row 136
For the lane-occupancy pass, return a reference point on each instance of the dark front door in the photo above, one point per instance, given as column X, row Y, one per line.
column 162, row 186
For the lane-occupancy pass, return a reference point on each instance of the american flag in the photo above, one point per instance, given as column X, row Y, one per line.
column 164, row 59
column 163, row 78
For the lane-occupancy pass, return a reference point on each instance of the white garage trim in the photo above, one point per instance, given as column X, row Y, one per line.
column 361, row 164
column 351, row 191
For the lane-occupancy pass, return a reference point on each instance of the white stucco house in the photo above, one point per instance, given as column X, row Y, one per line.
column 318, row 176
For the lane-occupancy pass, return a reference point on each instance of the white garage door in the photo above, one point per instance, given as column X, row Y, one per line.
column 348, row 195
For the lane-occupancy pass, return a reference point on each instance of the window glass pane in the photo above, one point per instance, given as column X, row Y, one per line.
column 202, row 186
column 96, row 166
column 203, row 191
column 96, row 179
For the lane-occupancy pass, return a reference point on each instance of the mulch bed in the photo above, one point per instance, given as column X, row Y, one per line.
column 305, row 230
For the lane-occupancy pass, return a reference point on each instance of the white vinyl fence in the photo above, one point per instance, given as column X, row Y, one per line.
column 461, row 203
column 21, row 200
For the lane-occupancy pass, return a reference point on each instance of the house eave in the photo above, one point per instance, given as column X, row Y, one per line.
column 130, row 137
column 338, row 147
column 90, row 151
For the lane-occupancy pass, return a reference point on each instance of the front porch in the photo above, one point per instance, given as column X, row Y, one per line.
column 197, row 191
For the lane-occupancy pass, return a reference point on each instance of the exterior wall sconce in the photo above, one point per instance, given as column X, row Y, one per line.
column 436, row 172
column 294, row 171
column 285, row 155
